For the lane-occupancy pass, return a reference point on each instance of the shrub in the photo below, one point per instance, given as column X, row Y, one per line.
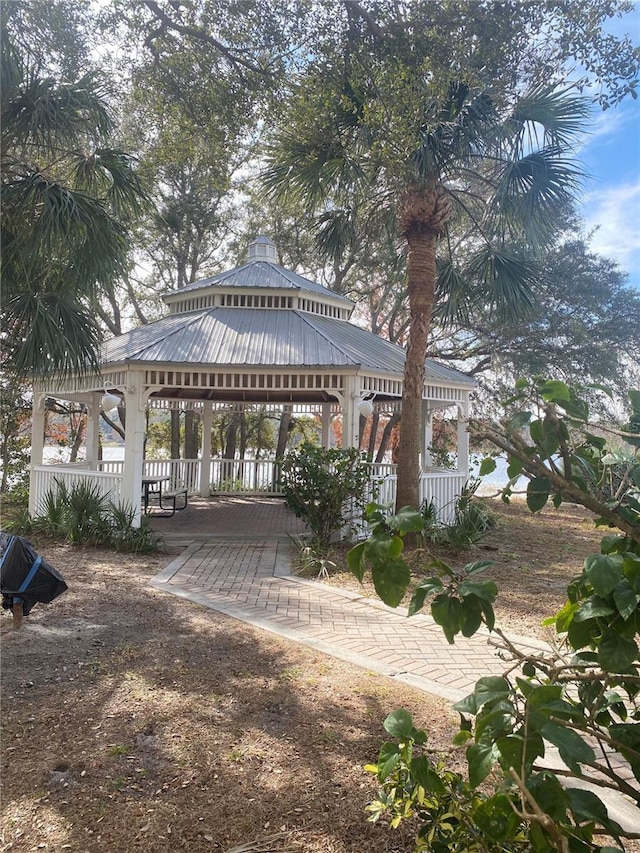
column 472, row 521
column 82, row 516
column 328, row 489
column 582, row 696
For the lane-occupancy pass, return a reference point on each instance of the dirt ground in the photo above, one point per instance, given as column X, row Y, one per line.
column 135, row 721
column 532, row 562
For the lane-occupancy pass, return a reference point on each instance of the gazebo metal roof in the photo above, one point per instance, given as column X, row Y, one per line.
column 291, row 333
column 262, row 271
column 255, row 337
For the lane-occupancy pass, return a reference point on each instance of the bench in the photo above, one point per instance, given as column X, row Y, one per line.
column 172, row 496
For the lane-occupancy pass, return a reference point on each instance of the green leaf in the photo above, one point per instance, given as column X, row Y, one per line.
column 586, row 806
column 490, row 688
column 572, row 748
column 625, row 599
column 481, row 757
column 391, row 581
column 424, row 588
column 616, row 653
column 593, row 608
column 604, row 572
column 447, row 612
column 519, row 420
column 611, row 543
column 471, row 617
column 399, row 724
column 514, row 748
column 487, row 466
column 461, row 737
column 406, row 520
column 514, row 468
column 627, row 739
column 555, row 390
column 387, row 760
column 538, row 493
column 425, row 775
column 496, row 819
column 477, row 567
column 381, row 547
column 486, row 590
column 355, row 561
column 468, row 705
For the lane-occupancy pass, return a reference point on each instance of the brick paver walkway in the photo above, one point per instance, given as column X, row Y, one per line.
column 251, row 581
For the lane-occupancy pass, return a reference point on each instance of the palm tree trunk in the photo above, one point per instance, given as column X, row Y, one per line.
column 421, row 268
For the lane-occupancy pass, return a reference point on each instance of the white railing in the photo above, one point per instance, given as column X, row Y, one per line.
column 183, row 473
column 111, row 466
column 244, row 477
column 441, row 485
column 46, row 478
column 443, row 488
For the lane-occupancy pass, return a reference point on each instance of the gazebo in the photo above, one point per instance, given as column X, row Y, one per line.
column 255, row 334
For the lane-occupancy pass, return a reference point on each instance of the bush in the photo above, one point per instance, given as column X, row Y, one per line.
column 472, row 521
column 581, row 696
column 328, row 489
column 82, row 516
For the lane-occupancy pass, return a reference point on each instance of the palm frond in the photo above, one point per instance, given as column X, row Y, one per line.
column 453, row 290
column 49, row 333
column 547, row 117
column 51, row 116
column 530, row 191
column 503, row 282
column 336, row 232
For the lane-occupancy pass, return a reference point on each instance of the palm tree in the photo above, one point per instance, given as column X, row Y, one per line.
column 66, row 197
column 435, row 162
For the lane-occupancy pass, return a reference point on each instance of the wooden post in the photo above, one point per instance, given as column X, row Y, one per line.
column 18, row 615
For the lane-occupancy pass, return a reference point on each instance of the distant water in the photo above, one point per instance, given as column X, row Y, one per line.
column 489, row 484
column 52, row 455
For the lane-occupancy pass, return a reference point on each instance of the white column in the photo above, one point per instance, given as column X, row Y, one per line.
column 135, row 403
column 463, row 438
column 37, row 444
column 205, row 462
column 427, row 435
column 326, row 425
column 92, row 436
column 350, row 415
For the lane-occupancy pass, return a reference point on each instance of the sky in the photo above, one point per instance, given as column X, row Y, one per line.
column 611, row 157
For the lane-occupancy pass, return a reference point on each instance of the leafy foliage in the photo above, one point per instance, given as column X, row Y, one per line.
column 580, row 697
column 326, row 487
column 80, row 514
column 66, row 195
column 472, row 521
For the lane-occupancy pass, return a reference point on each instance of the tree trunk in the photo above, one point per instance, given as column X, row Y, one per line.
column 78, row 434
column 243, row 435
column 231, row 437
column 175, row 433
column 421, row 282
column 191, row 442
column 283, row 432
column 386, row 435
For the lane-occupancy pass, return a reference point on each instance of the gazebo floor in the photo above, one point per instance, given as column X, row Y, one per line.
column 228, row 517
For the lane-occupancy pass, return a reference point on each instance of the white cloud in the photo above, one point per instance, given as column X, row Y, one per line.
column 616, row 214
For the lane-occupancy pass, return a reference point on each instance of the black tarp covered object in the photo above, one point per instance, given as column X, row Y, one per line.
column 25, row 576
